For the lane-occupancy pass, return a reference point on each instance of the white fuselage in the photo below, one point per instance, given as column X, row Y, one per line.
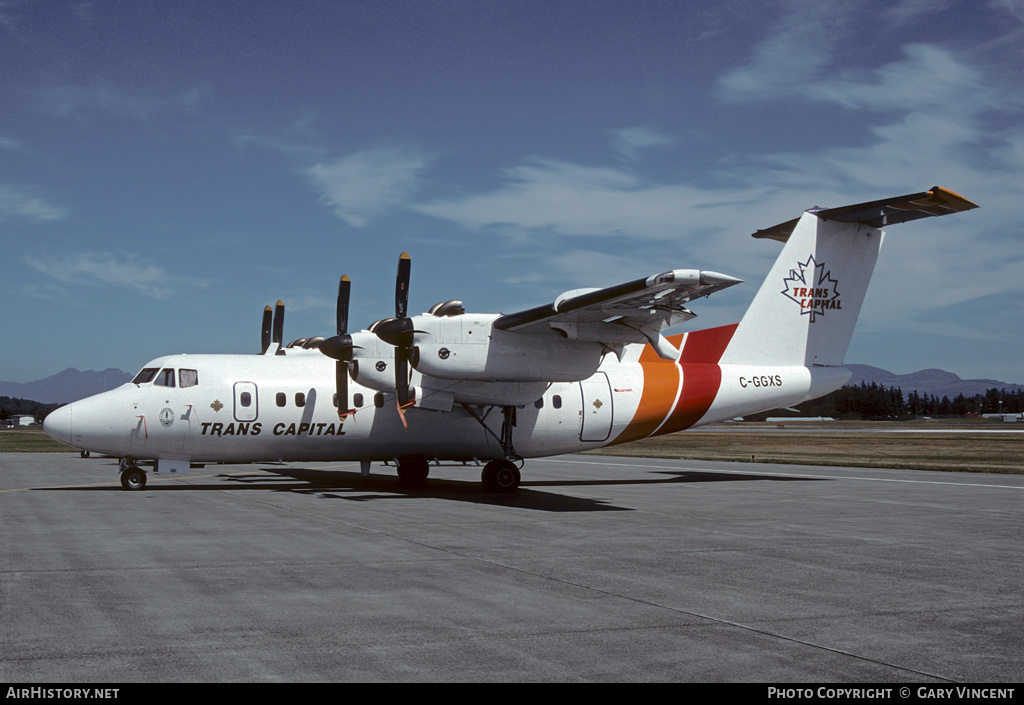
column 249, row 408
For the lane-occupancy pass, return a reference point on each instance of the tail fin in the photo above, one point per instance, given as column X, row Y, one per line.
column 805, row 311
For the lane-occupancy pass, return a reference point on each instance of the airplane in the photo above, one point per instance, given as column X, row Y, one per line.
column 591, row 369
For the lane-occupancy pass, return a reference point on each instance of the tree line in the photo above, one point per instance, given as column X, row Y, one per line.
column 12, row 406
column 874, row 401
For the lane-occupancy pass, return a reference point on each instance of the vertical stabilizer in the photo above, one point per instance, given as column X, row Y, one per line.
column 805, row 311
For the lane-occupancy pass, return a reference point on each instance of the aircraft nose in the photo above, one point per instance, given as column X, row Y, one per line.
column 57, row 424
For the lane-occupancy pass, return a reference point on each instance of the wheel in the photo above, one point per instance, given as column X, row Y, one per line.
column 133, row 479
column 501, row 476
column 84, row 453
column 413, row 471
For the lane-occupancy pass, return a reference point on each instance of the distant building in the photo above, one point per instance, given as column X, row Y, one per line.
column 23, row 420
column 787, row 419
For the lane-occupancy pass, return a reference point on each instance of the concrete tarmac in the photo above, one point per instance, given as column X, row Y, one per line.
column 598, row 569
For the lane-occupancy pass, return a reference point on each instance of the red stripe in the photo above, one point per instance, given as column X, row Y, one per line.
column 702, row 377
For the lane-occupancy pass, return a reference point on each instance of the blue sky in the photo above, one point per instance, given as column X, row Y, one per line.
column 169, row 168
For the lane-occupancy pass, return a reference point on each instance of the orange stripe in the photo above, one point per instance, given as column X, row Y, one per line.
column 702, row 377
column 661, row 379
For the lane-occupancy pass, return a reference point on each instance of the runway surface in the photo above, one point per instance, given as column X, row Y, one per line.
column 598, row 569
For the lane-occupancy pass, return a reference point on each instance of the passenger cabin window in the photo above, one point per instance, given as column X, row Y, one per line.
column 300, row 399
column 188, row 378
column 245, row 399
column 281, row 399
column 357, row 400
column 165, row 378
column 146, row 375
column 556, row 401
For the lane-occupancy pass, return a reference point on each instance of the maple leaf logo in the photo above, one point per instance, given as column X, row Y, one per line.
column 813, row 288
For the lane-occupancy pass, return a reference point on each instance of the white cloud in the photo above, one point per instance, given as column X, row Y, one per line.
column 629, row 141
column 365, row 185
column 800, row 45
column 104, row 97
column 23, row 203
column 107, row 269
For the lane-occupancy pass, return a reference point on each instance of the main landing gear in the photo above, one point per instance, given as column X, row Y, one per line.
column 501, row 475
column 132, row 476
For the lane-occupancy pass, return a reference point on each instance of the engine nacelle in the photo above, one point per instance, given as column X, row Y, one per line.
column 470, row 348
column 374, row 362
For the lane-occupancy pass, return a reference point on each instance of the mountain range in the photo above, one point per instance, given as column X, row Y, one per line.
column 934, row 382
column 67, row 386
column 72, row 385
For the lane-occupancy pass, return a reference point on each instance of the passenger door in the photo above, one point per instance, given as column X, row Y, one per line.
column 597, row 408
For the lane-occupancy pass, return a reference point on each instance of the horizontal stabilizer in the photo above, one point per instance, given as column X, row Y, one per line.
column 879, row 214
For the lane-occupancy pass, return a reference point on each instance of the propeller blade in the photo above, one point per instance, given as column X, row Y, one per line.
column 402, row 374
column 402, row 285
column 278, row 336
column 267, row 316
column 341, row 382
column 344, row 289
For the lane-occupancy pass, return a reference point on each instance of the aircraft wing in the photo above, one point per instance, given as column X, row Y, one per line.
column 635, row 311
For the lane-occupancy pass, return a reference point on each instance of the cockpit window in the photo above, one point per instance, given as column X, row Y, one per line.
column 188, row 378
column 165, row 378
column 146, row 375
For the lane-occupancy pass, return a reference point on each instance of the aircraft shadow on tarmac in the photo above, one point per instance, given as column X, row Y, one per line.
column 354, row 487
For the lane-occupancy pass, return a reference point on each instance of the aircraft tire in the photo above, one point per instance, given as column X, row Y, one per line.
column 84, row 453
column 501, row 476
column 413, row 471
column 133, row 479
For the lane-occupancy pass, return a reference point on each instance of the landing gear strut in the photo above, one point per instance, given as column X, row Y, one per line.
column 501, row 475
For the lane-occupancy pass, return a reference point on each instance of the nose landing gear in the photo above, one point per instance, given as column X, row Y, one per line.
column 133, row 477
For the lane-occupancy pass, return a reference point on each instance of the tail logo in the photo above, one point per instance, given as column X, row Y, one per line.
column 813, row 288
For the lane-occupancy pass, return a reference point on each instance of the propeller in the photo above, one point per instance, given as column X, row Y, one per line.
column 340, row 347
column 398, row 331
